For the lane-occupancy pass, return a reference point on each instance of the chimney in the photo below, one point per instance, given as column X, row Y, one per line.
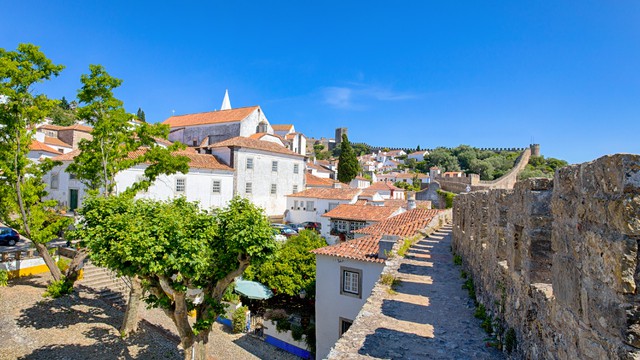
column 411, row 200
column 385, row 245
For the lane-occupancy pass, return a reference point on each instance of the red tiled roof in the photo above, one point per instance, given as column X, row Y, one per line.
column 365, row 248
column 328, row 193
column 38, row 146
column 281, row 127
column 196, row 161
column 317, row 167
column 55, row 141
column 211, row 117
column 410, row 176
column 248, row 143
column 316, row 181
column 50, row 127
column 404, row 225
column 361, row 213
column 77, row 127
column 383, row 185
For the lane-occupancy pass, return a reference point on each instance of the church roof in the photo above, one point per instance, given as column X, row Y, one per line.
column 211, row 117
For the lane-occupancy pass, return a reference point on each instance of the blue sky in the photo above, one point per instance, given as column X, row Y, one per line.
column 436, row 73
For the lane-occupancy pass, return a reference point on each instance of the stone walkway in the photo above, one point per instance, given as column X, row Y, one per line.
column 430, row 316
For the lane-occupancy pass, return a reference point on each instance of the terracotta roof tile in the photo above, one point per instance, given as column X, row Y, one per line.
column 361, row 213
column 404, row 225
column 55, row 142
column 282, row 127
column 211, row 117
column 38, row 146
column 78, row 127
column 244, row 142
column 384, row 185
column 316, row 181
column 325, row 193
column 365, row 248
column 196, row 161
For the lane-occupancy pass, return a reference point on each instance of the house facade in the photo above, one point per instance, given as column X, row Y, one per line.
column 311, row 204
column 265, row 172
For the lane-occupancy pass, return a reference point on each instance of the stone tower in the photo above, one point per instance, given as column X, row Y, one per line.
column 339, row 132
column 535, row 149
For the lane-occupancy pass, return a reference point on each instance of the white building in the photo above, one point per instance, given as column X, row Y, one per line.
column 360, row 182
column 346, row 274
column 311, row 204
column 265, row 172
column 387, row 190
column 418, row 155
column 208, row 182
column 39, row 150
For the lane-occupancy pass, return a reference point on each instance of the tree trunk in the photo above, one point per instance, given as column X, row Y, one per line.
column 51, row 264
column 198, row 348
column 130, row 321
column 76, row 264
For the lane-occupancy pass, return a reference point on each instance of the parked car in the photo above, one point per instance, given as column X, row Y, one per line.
column 279, row 237
column 296, row 227
column 9, row 236
column 312, row 225
column 285, row 230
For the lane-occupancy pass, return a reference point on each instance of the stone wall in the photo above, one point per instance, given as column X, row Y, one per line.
column 557, row 260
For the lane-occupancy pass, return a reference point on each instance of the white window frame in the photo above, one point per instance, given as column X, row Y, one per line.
column 216, row 186
column 310, row 206
column 274, row 166
column 249, row 163
column 184, row 185
column 351, row 282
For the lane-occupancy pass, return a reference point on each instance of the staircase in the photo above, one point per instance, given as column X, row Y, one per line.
column 105, row 284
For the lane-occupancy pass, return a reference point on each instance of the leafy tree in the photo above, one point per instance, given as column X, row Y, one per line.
column 348, row 167
column 418, row 148
column 442, row 158
column 62, row 117
column 140, row 115
column 108, row 153
column 361, row 149
column 21, row 183
column 173, row 247
column 64, row 104
column 293, row 267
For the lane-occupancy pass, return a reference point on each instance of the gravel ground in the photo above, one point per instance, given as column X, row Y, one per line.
column 81, row 326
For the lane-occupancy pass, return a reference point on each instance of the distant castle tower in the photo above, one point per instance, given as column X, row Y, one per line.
column 339, row 132
column 226, row 104
column 535, row 149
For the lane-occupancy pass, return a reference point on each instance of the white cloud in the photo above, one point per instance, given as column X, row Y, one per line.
column 358, row 96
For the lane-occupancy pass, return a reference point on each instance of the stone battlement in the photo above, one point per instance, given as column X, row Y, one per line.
column 557, row 260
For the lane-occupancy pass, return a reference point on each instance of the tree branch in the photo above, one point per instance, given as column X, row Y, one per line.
column 222, row 284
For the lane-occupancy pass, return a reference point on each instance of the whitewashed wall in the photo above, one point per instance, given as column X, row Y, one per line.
column 301, row 214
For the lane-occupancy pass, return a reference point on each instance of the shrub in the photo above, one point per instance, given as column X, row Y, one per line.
column 480, row 313
column 59, row 288
column 487, row 325
column 239, row 320
column 4, row 277
column 63, row 264
column 390, row 280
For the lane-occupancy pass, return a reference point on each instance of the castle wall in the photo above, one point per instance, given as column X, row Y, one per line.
column 557, row 260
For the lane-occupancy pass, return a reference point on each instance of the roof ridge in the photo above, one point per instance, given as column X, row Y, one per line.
column 206, row 112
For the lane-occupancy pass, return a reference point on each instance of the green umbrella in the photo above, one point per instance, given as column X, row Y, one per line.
column 252, row 289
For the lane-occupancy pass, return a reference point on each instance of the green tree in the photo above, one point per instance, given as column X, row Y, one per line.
column 293, row 267
column 443, row 159
column 115, row 146
column 173, row 247
column 21, row 181
column 62, row 117
column 348, row 166
column 64, row 104
column 140, row 115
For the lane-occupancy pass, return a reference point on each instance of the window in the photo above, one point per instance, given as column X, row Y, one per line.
column 249, row 163
column 72, row 176
column 296, row 168
column 181, row 184
column 358, row 225
column 274, row 166
column 310, row 206
column 295, row 205
column 341, row 225
column 350, row 282
column 345, row 325
column 274, row 189
column 295, row 188
column 248, row 187
column 215, row 187
column 333, row 206
column 54, row 181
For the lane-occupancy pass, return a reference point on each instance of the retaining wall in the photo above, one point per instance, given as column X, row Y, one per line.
column 557, row 260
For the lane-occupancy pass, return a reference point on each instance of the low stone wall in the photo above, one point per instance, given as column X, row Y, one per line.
column 557, row 260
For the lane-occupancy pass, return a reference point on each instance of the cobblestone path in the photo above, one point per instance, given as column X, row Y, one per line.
column 431, row 316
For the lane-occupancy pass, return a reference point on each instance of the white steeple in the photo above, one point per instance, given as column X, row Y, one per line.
column 226, row 104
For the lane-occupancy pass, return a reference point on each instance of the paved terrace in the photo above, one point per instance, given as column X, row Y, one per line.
column 430, row 316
